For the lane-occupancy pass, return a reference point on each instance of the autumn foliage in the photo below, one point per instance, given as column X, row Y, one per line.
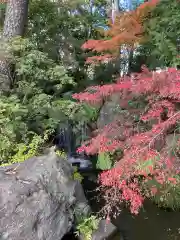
column 146, row 166
column 127, row 29
column 145, row 156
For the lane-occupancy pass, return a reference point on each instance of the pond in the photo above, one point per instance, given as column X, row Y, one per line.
column 152, row 223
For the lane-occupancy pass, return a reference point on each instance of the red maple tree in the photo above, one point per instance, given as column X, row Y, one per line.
column 143, row 159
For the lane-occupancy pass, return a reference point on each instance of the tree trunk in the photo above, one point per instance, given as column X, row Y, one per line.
column 2, row 14
column 115, row 9
column 16, row 18
column 131, row 53
column 14, row 25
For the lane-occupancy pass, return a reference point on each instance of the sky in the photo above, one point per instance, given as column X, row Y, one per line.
column 128, row 4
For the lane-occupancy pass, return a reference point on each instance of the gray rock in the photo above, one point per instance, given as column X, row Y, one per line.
column 110, row 111
column 104, row 232
column 38, row 198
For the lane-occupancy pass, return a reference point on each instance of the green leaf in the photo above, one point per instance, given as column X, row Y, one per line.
column 104, row 161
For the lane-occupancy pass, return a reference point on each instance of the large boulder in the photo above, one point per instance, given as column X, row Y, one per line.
column 110, row 111
column 38, row 199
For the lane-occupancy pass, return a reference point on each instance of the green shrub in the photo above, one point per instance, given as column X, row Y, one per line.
column 77, row 175
column 86, row 226
column 24, row 152
column 168, row 194
column 25, row 111
column 104, row 161
column 61, row 154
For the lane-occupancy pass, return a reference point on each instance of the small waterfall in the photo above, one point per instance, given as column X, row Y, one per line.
column 66, row 140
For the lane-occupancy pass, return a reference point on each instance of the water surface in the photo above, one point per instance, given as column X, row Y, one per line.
column 152, row 223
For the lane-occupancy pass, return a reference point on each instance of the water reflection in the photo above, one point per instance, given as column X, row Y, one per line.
column 151, row 224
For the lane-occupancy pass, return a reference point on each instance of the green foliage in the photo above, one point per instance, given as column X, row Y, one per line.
column 162, row 30
column 88, row 112
column 39, row 83
column 86, row 226
column 147, row 165
column 77, row 176
column 70, row 22
column 61, row 154
column 74, row 111
column 2, row 5
column 104, row 161
column 35, row 104
column 60, row 28
column 80, row 115
column 24, row 152
column 37, row 70
column 168, row 194
column 25, row 111
column 48, row 66
column 13, row 127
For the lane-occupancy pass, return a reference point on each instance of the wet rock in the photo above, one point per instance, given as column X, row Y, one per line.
column 38, row 198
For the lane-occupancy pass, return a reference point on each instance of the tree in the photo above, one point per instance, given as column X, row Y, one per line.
column 115, row 9
column 2, row 14
column 38, row 102
column 16, row 18
column 63, row 27
column 14, row 24
column 161, row 31
column 145, row 165
column 127, row 30
column 148, row 167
